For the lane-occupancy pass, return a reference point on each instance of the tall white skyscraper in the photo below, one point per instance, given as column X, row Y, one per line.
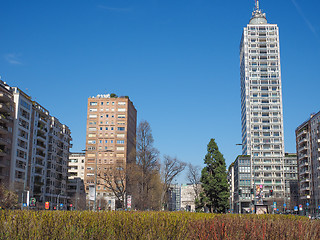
column 261, row 105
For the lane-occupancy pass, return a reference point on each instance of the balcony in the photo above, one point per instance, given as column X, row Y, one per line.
column 305, row 188
column 306, row 180
column 4, row 108
column 303, row 132
column 5, row 118
column 4, row 141
column 39, row 163
column 302, row 140
column 4, row 152
column 3, row 129
column 41, row 135
column 304, row 171
column 41, row 153
column 302, row 156
column 303, row 148
column 303, row 164
column 41, row 144
column 5, row 97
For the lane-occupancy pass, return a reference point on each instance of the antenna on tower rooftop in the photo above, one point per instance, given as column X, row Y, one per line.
column 257, row 5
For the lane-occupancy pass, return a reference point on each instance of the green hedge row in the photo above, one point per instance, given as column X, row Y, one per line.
column 152, row 225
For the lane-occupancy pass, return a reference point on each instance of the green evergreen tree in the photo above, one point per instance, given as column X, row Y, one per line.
column 214, row 180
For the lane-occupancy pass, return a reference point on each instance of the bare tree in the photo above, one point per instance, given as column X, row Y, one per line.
column 8, row 198
column 194, row 175
column 114, row 179
column 145, row 173
column 171, row 168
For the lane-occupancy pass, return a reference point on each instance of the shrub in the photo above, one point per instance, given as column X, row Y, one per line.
column 152, row 225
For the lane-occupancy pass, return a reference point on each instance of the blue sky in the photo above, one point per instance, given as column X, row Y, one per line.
column 177, row 60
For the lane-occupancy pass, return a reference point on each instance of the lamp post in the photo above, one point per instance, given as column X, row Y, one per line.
column 58, row 201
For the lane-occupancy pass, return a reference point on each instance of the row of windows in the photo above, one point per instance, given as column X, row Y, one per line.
column 265, row 114
column 96, row 110
column 105, row 141
column 257, row 120
column 120, row 116
column 107, row 103
column 106, row 128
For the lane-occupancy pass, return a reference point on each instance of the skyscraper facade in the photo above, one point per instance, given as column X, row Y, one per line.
column 110, row 141
column 261, row 104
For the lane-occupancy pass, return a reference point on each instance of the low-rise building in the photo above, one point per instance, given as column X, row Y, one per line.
column 188, row 197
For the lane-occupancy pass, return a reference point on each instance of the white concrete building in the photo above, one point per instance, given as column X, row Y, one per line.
column 76, row 189
column 261, row 104
column 57, row 163
column 231, row 187
column 188, row 197
column 38, row 152
column 76, row 164
column 20, row 141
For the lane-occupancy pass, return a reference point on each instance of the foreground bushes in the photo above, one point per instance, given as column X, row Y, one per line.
column 152, row 225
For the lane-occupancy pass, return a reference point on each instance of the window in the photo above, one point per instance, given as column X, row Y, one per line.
column 92, row 129
column 91, row 142
column 121, row 116
column 92, row 116
column 121, row 109
column 121, row 103
column 120, row 141
column 25, row 104
column 93, row 103
column 106, row 128
column 121, row 128
column 93, row 110
column 106, row 141
column 120, row 148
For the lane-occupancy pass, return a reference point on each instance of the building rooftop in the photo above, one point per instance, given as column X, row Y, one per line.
column 258, row 17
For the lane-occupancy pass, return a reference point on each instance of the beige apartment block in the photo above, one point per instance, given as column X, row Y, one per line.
column 110, row 139
column 6, row 125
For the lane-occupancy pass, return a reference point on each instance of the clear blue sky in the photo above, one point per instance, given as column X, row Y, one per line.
column 177, row 60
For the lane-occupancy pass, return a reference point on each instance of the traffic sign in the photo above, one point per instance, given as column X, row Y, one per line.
column 284, row 205
column 32, row 202
column 61, row 204
column 46, row 205
column 296, row 208
column 319, row 207
column 24, row 204
column 300, row 207
column 307, row 204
